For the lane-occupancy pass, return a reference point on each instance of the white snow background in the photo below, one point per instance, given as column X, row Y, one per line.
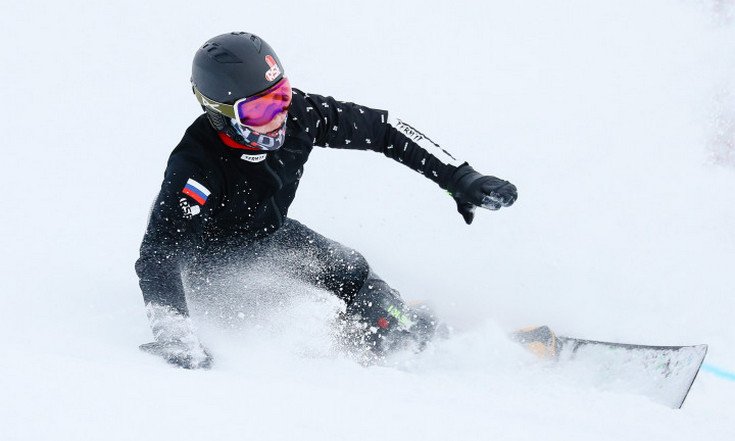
column 615, row 119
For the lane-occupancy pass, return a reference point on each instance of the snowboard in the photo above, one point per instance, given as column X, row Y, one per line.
column 662, row 373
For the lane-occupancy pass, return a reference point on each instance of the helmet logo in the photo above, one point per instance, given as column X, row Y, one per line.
column 272, row 73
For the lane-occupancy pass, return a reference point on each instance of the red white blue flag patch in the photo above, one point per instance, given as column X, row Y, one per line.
column 196, row 191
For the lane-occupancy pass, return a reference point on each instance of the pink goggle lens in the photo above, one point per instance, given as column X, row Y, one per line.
column 260, row 109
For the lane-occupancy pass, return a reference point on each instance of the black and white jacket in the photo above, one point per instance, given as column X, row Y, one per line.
column 215, row 190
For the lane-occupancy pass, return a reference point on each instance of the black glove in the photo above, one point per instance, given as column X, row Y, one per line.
column 175, row 339
column 471, row 189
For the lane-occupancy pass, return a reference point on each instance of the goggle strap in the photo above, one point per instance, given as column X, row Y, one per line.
column 225, row 109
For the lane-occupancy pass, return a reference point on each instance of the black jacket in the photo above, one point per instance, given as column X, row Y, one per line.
column 215, row 191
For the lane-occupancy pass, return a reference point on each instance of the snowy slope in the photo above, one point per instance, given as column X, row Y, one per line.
column 616, row 120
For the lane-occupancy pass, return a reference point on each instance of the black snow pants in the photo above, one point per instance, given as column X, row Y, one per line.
column 377, row 315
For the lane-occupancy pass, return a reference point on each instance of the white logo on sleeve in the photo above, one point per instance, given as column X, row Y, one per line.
column 423, row 141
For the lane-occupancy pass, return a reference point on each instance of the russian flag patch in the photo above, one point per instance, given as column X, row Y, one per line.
column 196, row 191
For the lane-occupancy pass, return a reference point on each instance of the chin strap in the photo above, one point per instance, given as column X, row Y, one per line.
column 218, row 120
column 226, row 132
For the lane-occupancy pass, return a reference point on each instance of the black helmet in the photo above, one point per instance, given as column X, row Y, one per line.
column 233, row 66
column 229, row 67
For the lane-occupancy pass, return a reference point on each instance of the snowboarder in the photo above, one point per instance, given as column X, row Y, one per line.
column 230, row 181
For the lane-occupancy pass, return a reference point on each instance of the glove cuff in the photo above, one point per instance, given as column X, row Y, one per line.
column 462, row 179
column 169, row 325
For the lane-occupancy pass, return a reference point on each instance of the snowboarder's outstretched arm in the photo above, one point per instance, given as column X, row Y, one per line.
column 175, row 215
column 345, row 125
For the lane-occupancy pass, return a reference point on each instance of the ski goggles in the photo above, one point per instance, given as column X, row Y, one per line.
column 256, row 110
